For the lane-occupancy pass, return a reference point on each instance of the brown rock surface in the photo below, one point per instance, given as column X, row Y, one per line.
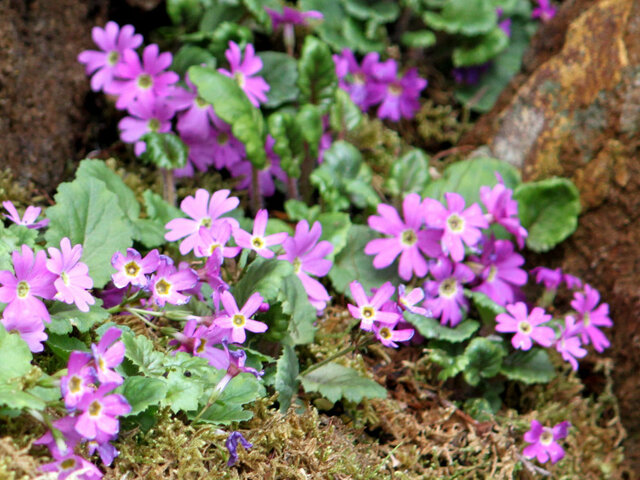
column 42, row 86
column 575, row 112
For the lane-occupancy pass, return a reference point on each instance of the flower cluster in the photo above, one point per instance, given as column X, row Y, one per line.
column 60, row 276
column 154, row 101
column 93, row 410
column 544, row 441
column 377, row 83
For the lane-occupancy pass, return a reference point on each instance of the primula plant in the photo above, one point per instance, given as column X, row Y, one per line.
column 273, row 291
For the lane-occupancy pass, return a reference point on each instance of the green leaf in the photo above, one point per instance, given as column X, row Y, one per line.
column 189, row 55
column 344, row 115
column 219, row 13
column 484, row 359
column 141, row 392
column 88, row 213
column 409, row 174
column 280, row 71
column 298, row 210
column 287, row 370
column 331, row 27
column 380, row 11
column 264, row 276
column 63, row 345
column 450, row 358
column 363, row 38
column 141, row 352
column 65, row 316
column 317, row 79
column 468, row 176
column 13, row 397
column 159, row 210
column 165, row 150
column 549, row 210
column 532, row 366
column 335, row 229
column 431, row 328
column 482, row 96
column 182, row 392
column 353, row 264
column 468, row 17
column 418, row 39
column 487, row 308
column 15, row 356
column 309, row 119
column 482, row 50
column 148, row 232
column 241, row 390
column 12, row 239
column 289, row 143
column 184, row 12
column 295, row 303
column 233, row 106
column 334, row 382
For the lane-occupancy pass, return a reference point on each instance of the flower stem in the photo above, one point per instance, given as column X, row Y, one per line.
column 169, row 186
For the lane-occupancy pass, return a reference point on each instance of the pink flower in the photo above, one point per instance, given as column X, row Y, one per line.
column 527, row 327
column 544, row 441
column 266, row 174
column 460, row 226
column 388, row 336
column 291, row 16
column 408, row 300
column 212, row 242
column 142, row 80
column 99, row 412
column 79, row 380
column 73, row 275
column 446, row 294
column 362, row 82
column 503, row 210
column 239, row 319
column 30, row 329
column 550, row 278
column 408, row 240
column 29, row 218
column 204, row 212
column 31, row 280
column 545, row 11
column 148, row 115
column 168, row 283
column 368, row 310
column 401, row 99
column 243, row 72
column 306, row 255
column 108, row 354
column 569, row 345
column 257, row 241
column 114, row 42
column 591, row 316
column 132, row 269
column 72, row 465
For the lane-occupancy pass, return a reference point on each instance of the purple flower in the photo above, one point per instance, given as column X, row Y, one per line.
column 30, row 329
column 527, row 327
column 361, row 82
column 569, row 345
column 388, row 336
column 198, row 341
column 368, row 310
column 70, row 438
column 446, row 295
column 99, row 412
column 306, row 255
column 79, row 380
column 31, row 280
column 460, row 226
column 132, row 268
column 232, row 446
column 503, row 210
column 266, row 174
column 291, row 16
column 550, row 278
column 571, row 281
column 204, row 212
column 242, row 72
column 72, row 464
column 239, row 319
column 113, row 41
column 29, row 218
column 501, row 274
column 544, row 441
column 408, row 300
column 591, row 317
column 408, row 239
column 108, row 354
column 545, row 11
column 73, row 275
column 401, row 98
column 470, row 75
column 149, row 115
column 227, row 150
column 168, row 283
column 212, row 241
column 142, row 80
column 257, row 241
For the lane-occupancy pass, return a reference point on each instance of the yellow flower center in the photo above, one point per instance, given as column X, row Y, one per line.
column 68, row 464
column 163, row 287
column 455, row 223
column 75, row 384
column 113, row 58
column 409, row 237
column 131, row 269
column 525, row 327
column 145, row 81
column 257, row 243
column 154, row 124
column 95, row 408
column 238, row 320
column 64, row 277
column 547, row 437
column 297, row 265
column 368, row 312
column 448, row 288
column 23, row 289
column 205, row 222
column 385, row 333
column 493, row 271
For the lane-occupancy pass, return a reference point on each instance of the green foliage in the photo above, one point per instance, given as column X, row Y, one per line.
column 549, row 210
column 418, row 39
column 465, row 177
column 448, row 356
column 317, row 79
column 89, row 213
column 481, row 51
column 287, row 370
column 280, row 71
column 409, row 174
column 142, row 392
column 431, row 328
column 344, row 179
column 63, row 345
column 242, row 389
column 189, row 55
column 295, row 303
column 159, row 210
column 334, row 382
column 309, row 118
column 532, row 366
column 468, row 17
column 335, row 229
column 15, row 356
column 66, row 316
column 484, row 360
column 344, row 115
column 289, row 143
column 165, row 150
column 264, row 276
column 233, row 106
column 487, row 308
column 353, row 264
column 12, row 239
